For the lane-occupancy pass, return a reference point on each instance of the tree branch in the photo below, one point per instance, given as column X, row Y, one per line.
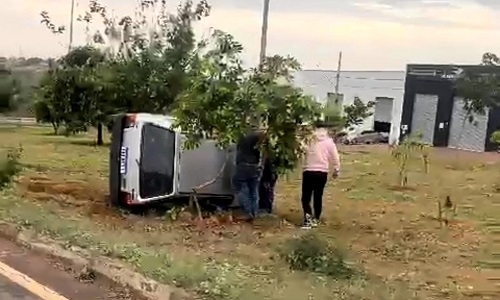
column 194, row 199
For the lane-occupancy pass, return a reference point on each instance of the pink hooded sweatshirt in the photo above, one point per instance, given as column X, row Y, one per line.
column 321, row 152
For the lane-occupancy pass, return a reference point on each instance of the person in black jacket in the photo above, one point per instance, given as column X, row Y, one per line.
column 248, row 170
column 266, row 186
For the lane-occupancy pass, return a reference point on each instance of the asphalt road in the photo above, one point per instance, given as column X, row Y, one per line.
column 11, row 291
column 25, row 275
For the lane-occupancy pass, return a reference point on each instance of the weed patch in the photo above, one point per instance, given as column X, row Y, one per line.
column 10, row 166
column 311, row 253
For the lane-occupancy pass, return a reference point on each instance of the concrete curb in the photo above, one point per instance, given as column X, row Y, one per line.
column 82, row 261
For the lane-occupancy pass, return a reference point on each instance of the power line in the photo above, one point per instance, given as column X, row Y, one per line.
column 361, row 87
column 373, row 87
column 375, row 79
column 338, row 75
column 365, row 78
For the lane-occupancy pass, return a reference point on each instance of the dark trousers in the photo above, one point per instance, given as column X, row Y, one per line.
column 266, row 195
column 246, row 186
column 313, row 185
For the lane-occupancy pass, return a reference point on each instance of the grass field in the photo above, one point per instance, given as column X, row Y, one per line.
column 387, row 233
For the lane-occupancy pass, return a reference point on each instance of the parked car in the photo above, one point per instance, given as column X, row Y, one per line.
column 371, row 137
column 342, row 138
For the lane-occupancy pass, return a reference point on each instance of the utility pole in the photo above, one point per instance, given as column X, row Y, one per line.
column 263, row 36
column 337, row 79
column 255, row 119
column 71, row 25
column 337, row 82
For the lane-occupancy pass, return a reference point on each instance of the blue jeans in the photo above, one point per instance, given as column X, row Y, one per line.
column 246, row 186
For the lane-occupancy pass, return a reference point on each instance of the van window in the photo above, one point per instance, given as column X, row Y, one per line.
column 156, row 174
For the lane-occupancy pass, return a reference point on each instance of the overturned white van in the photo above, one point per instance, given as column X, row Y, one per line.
column 148, row 164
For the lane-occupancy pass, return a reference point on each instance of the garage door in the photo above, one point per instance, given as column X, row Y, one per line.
column 424, row 116
column 465, row 135
column 383, row 109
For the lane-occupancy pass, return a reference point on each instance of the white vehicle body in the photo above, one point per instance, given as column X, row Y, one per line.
column 148, row 163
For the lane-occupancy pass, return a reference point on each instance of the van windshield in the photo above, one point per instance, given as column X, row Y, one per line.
column 156, row 174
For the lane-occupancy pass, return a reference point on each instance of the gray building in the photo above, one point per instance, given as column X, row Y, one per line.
column 386, row 88
column 432, row 108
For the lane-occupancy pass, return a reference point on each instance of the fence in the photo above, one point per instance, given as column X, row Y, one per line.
column 18, row 121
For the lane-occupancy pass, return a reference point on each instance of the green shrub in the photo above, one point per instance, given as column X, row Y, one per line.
column 495, row 137
column 311, row 253
column 10, row 166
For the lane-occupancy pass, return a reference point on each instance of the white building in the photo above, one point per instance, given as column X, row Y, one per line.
column 386, row 88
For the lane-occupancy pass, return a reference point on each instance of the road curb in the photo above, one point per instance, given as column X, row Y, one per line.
column 80, row 260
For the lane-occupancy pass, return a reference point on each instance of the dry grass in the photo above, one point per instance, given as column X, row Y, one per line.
column 388, row 232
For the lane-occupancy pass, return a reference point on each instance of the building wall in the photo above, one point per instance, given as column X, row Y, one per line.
column 424, row 116
column 438, row 87
column 383, row 109
column 466, row 135
column 449, row 127
column 365, row 85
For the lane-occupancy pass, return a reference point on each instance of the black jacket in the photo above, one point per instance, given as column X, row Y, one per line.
column 269, row 173
column 247, row 149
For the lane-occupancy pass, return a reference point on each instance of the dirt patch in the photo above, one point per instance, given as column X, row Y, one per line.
column 87, row 197
column 395, row 243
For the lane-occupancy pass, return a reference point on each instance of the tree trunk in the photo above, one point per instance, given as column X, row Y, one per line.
column 55, row 126
column 100, row 140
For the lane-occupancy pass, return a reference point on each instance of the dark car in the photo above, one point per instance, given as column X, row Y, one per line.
column 371, row 137
column 342, row 138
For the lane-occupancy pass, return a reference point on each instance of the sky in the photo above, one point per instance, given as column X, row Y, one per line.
column 372, row 34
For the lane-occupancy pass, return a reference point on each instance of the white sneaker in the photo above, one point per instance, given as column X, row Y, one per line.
column 308, row 224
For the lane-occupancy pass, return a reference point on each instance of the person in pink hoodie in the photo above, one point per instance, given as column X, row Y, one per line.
column 321, row 156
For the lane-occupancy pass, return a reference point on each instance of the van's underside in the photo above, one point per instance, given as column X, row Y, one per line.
column 222, row 201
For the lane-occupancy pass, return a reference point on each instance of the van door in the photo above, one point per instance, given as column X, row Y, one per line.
column 157, row 164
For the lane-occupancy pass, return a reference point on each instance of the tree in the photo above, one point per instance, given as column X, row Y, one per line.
column 9, row 93
column 152, row 57
column 91, row 92
column 410, row 148
column 211, row 94
column 490, row 59
column 333, row 118
column 44, row 113
column 84, row 56
column 480, row 88
column 75, row 93
column 357, row 112
column 7, row 87
column 146, row 72
column 223, row 97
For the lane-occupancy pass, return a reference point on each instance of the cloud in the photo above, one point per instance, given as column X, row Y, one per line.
column 373, row 34
column 489, row 3
column 419, row 3
column 285, row 5
column 439, row 13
